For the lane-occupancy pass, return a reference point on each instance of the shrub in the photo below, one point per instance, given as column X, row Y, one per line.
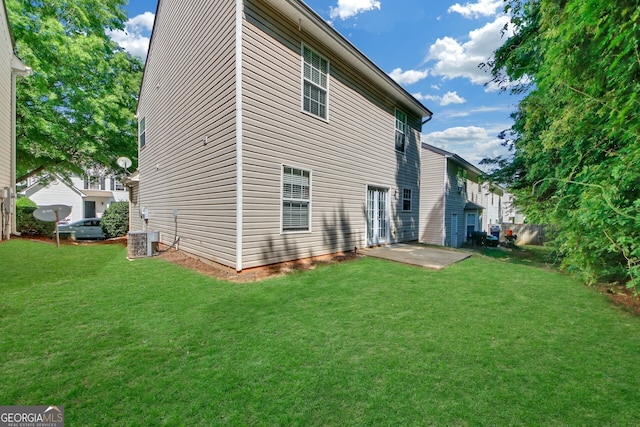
column 27, row 224
column 25, row 202
column 115, row 221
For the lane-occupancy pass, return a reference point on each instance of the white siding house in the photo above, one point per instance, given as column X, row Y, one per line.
column 10, row 67
column 455, row 200
column 88, row 196
column 267, row 137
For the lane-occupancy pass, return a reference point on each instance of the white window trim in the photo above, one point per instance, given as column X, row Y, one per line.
column 395, row 129
column 302, row 80
column 142, row 131
column 467, row 223
column 402, row 199
column 310, row 230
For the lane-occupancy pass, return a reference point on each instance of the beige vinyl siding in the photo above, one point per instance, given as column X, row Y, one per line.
column 353, row 148
column 6, row 127
column 432, row 201
column 188, row 94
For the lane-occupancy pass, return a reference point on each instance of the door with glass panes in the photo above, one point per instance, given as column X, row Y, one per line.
column 377, row 216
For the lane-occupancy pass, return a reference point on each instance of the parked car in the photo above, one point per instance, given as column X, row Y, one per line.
column 86, row 229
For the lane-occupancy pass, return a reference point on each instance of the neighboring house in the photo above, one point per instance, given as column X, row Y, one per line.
column 510, row 212
column 265, row 136
column 88, row 196
column 495, row 197
column 10, row 67
column 454, row 199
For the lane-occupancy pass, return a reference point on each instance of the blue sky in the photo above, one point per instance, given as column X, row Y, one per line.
column 431, row 48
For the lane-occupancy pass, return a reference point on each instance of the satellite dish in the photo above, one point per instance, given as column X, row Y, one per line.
column 52, row 213
column 124, row 162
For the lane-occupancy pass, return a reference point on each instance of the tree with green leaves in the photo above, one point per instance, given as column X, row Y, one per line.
column 77, row 109
column 576, row 144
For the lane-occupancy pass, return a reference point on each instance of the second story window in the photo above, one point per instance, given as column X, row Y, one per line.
column 401, row 131
column 142, row 132
column 315, row 83
column 94, row 182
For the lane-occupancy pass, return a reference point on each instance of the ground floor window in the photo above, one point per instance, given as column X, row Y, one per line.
column 296, row 199
column 406, row 200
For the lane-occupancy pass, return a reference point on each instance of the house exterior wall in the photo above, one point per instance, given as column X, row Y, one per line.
column 187, row 99
column 354, row 148
column 494, row 207
column 58, row 192
column 7, row 100
column 433, row 190
column 475, row 194
column 456, row 199
column 465, row 192
column 216, row 141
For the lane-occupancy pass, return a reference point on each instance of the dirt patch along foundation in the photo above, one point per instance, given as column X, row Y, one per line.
column 222, row 272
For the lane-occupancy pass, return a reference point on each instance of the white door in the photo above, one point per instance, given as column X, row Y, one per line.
column 454, row 230
column 377, row 216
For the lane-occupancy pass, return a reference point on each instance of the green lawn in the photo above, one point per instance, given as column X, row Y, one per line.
column 366, row 342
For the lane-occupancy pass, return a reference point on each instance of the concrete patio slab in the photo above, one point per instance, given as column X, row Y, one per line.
column 416, row 254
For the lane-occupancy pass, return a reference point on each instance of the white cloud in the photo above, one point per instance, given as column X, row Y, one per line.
column 134, row 39
column 348, row 8
column 476, row 10
column 455, row 59
column 140, row 23
column 479, row 110
column 408, row 77
column 452, row 98
column 446, row 99
column 472, row 143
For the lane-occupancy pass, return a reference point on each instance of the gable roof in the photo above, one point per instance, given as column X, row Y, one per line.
column 310, row 22
column 454, row 157
column 17, row 66
column 37, row 186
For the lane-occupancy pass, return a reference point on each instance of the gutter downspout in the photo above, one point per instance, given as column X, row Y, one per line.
column 239, row 164
column 445, row 211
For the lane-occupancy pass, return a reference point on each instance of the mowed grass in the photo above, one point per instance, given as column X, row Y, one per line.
column 366, row 342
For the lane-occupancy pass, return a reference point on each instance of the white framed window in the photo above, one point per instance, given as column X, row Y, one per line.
column 315, row 83
column 401, row 131
column 406, row 200
column 94, row 182
column 461, row 176
column 296, row 199
column 118, row 185
column 142, row 132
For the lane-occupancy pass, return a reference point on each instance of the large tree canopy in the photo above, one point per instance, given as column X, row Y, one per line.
column 77, row 109
column 577, row 130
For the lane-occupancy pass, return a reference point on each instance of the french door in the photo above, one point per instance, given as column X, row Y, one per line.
column 377, row 216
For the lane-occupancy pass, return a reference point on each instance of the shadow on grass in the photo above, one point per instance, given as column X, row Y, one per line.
column 535, row 256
